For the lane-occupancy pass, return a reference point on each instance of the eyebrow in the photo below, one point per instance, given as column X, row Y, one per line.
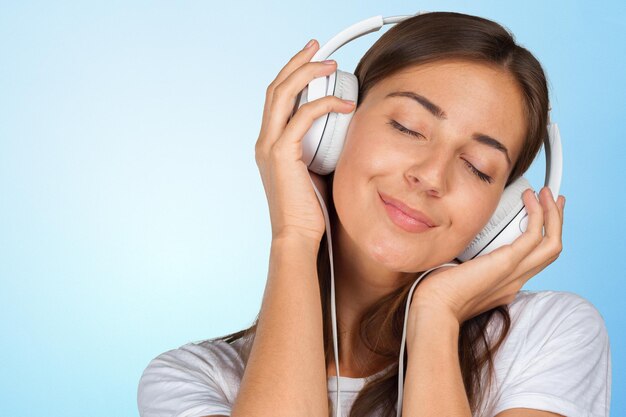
column 436, row 111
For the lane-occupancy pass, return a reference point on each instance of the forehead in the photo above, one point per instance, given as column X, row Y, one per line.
column 475, row 97
column 451, row 70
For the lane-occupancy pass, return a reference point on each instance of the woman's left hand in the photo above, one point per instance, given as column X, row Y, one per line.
column 494, row 279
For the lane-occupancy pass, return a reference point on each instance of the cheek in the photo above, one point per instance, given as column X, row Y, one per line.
column 354, row 184
column 370, row 150
column 353, row 168
column 359, row 143
column 350, row 182
column 471, row 214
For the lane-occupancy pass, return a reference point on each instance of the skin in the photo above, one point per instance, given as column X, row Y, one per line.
column 373, row 256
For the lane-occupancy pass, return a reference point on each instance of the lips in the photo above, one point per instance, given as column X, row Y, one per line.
column 411, row 212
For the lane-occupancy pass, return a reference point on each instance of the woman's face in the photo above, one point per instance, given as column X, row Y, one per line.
column 428, row 172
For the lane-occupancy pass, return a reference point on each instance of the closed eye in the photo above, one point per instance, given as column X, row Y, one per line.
column 480, row 175
column 484, row 177
column 403, row 129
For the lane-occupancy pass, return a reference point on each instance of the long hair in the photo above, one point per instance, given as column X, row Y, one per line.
column 418, row 40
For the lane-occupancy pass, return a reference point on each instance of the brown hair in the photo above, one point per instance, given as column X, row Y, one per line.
column 421, row 39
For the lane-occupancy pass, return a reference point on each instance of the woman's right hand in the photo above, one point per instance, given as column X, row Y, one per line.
column 294, row 207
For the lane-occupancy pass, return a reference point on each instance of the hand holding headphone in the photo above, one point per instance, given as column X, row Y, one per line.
column 293, row 206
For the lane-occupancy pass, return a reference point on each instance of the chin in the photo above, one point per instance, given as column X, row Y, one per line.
column 394, row 254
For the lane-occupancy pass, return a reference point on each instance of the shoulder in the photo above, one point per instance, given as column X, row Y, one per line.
column 175, row 379
column 210, row 357
column 559, row 301
column 556, row 356
column 553, row 314
column 550, row 300
column 542, row 320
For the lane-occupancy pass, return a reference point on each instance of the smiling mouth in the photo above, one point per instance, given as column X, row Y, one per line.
column 403, row 220
column 407, row 210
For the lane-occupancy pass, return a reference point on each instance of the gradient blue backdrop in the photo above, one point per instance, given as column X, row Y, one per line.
column 132, row 216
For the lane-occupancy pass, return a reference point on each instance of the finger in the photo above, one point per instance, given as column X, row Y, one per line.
column 552, row 215
column 535, row 262
column 300, row 58
column 512, row 258
column 551, row 245
column 531, row 266
column 533, row 236
column 544, row 254
column 285, row 95
column 303, row 56
column 302, row 121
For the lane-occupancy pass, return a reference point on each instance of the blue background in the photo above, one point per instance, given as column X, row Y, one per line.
column 132, row 215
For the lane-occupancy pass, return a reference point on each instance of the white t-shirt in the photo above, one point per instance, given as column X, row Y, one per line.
column 556, row 358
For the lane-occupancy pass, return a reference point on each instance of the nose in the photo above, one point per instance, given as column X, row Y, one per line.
column 430, row 173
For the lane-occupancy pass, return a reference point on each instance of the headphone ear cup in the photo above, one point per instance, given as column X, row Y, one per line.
column 333, row 138
column 510, row 205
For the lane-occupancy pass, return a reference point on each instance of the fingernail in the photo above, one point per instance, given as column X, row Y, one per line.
column 350, row 102
column 329, row 61
column 310, row 44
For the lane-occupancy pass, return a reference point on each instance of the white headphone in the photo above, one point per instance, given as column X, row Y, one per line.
column 323, row 143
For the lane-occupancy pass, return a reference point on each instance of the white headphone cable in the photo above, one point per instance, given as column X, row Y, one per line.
column 329, row 240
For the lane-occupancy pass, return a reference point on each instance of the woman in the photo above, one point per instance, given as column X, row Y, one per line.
column 476, row 344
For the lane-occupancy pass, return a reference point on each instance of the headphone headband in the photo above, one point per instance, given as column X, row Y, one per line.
column 318, row 86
